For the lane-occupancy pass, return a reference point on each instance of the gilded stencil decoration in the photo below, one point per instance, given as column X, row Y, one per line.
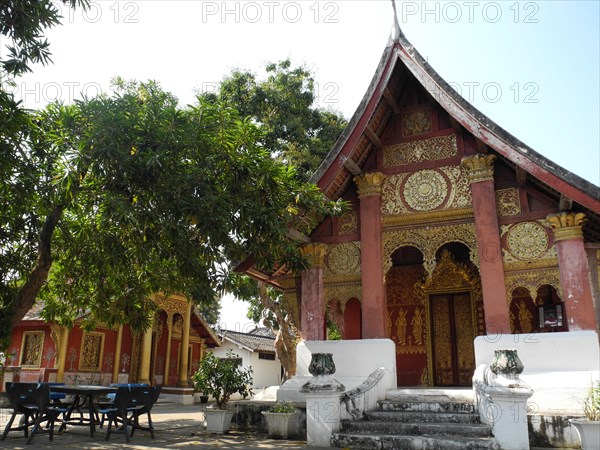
column 418, row 326
column 428, row 240
column 425, row 150
column 450, row 275
column 525, row 317
column 460, row 193
column 465, row 336
column 442, row 350
column 90, row 357
column 391, row 201
column 158, row 325
column 406, row 318
column 527, row 240
column 348, row 223
column 532, row 280
column 416, row 122
column 56, row 332
column 425, row 190
column 401, row 326
column 508, row 203
column 171, row 306
column 31, row 348
column 343, row 259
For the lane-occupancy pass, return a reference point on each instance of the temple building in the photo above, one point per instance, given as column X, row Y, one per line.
column 456, row 230
column 42, row 351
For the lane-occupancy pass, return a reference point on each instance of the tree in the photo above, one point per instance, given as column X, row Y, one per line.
column 122, row 196
column 298, row 133
column 295, row 130
column 22, row 27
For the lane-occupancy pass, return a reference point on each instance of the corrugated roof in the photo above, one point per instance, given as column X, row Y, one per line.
column 252, row 342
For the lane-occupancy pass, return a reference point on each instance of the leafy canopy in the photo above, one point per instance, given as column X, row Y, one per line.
column 142, row 196
column 284, row 104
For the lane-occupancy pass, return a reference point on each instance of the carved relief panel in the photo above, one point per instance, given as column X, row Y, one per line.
column 32, row 348
column 433, row 149
column 527, row 244
column 348, row 223
column 425, row 190
column 343, row 259
column 92, row 346
column 507, row 202
column 416, row 122
column 428, row 240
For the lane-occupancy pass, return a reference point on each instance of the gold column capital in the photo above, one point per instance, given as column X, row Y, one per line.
column 314, row 253
column 369, row 184
column 479, row 167
column 567, row 225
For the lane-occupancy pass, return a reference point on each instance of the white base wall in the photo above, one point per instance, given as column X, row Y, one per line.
column 354, row 360
column 559, row 367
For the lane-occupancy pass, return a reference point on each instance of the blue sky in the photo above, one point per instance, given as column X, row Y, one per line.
column 531, row 66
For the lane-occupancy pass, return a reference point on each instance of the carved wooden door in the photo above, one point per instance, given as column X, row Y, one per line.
column 452, row 339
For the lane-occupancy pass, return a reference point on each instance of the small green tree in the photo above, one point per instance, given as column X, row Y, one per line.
column 298, row 132
column 222, row 377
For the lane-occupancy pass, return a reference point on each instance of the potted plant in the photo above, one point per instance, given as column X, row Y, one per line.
column 221, row 378
column 279, row 418
column 589, row 429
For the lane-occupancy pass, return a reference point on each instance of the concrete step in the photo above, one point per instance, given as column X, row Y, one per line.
column 432, row 406
column 377, row 427
column 440, row 395
column 381, row 442
column 415, row 418
column 422, row 416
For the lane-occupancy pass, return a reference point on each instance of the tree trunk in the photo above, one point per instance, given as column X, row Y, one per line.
column 39, row 275
column 286, row 352
column 285, row 342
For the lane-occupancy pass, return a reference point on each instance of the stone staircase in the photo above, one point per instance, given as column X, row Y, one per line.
column 429, row 419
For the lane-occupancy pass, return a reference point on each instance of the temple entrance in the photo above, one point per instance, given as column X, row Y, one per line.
column 433, row 318
column 452, row 337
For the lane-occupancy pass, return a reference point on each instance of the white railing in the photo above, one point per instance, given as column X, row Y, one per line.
column 364, row 397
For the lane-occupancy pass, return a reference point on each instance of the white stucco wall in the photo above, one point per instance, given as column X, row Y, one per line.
column 559, row 367
column 354, row 360
column 265, row 372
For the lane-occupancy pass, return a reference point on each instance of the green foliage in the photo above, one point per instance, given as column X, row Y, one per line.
column 591, row 404
column 23, row 23
column 297, row 132
column 146, row 197
column 222, row 377
column 22, row 27
column 283, row 103
column 283, row 407
column 333, row 331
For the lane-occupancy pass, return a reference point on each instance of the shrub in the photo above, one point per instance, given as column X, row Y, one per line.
column 283, row 407
column 591, row 404
column 222, row 377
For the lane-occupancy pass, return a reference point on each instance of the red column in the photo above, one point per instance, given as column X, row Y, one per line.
column 371, row 228
column 312, row 315
column 574, row 270
column 480, row 170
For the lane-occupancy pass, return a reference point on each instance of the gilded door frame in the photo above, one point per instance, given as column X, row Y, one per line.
column 449, row 277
